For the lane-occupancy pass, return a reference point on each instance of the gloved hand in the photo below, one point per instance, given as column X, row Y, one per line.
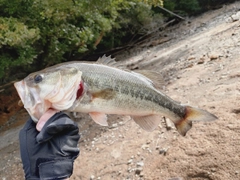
column 50, row 153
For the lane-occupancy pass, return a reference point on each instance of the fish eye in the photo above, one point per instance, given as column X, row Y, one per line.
column 38, row 78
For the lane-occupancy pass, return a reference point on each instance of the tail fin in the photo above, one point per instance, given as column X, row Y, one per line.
column 193, row 114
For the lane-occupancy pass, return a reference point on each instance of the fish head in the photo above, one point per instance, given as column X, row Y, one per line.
column 50, row 88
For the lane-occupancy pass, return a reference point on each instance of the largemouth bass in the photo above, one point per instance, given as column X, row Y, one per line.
column 103, row 88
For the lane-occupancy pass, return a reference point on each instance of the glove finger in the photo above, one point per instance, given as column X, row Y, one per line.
column 59, row 123
column 63, row 124
column 45, row 117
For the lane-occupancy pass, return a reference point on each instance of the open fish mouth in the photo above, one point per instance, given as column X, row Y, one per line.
column 25, row 94
column 31, row 100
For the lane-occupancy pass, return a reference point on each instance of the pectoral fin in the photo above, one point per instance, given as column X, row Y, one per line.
column 148, row 123
column 99, row 118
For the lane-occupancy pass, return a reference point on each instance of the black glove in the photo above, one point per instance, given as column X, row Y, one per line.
column 49, row 154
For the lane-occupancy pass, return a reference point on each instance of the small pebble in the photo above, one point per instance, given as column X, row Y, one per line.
column 163, row 151
column 213, row 55
column 213, row 170
column 129, row 161
column 138, row 170
column 114, row 125
column 140, row 164
column 141, row 174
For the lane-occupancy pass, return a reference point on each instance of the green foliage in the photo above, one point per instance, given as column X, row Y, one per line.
column 140, row 20
column 212, row 4
column 183, row 7
column 38, row 33
column 43, row 32
column 189, row 6
column 16, row 41
column 154, row 2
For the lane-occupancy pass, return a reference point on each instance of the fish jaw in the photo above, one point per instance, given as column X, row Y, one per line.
column 27, row 95
column 34, row 105
column 20, row 89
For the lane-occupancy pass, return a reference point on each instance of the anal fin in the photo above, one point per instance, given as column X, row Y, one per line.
column 148, row 123
column 99, row 118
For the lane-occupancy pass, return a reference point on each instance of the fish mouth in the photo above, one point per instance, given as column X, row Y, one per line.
column 31, row 100
column 20, row 87
column 26, row 94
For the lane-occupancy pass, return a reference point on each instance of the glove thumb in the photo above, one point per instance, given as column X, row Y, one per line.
column 57, row 124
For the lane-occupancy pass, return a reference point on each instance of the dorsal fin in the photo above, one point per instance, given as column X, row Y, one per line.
column 153, row 77
column 107, row 60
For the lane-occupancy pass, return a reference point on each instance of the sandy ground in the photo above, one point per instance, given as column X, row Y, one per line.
column 201, row 67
